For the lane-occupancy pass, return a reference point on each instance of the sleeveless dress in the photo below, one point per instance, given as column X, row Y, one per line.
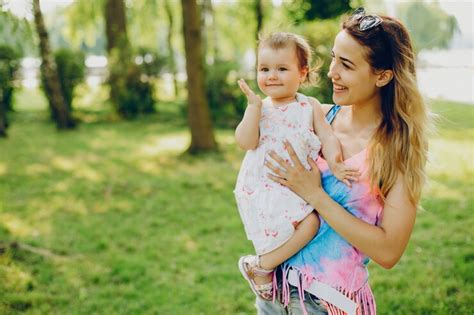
column 270, row 211
column 329, row 258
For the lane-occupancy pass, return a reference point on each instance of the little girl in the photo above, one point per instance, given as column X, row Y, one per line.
column 277, row 221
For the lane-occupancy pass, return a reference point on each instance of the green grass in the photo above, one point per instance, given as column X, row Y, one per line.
column 134, row 227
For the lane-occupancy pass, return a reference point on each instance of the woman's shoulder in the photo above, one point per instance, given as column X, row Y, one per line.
column 326, row 108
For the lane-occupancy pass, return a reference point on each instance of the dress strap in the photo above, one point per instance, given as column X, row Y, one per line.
column 331, row 114
column 301, row 98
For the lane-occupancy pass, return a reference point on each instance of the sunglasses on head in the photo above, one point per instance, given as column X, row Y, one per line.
column 366, row 22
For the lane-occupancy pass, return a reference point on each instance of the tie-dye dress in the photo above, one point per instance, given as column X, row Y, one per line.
column 270, row 211
column 329, row 258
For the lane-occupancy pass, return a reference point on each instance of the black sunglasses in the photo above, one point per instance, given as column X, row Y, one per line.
column 366, row 22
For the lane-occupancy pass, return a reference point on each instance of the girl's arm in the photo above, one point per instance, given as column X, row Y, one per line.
column 247, row 132
column 385, row 243
column 330, row 146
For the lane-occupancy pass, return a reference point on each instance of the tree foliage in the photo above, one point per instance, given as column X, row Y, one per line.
column 16, row 33
column 309, row 10
column 430, row 27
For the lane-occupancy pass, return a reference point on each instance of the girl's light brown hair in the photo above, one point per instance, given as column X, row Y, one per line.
column 400, row 144
column 304, row 53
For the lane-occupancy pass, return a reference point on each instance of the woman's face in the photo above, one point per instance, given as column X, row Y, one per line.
column 354, row 82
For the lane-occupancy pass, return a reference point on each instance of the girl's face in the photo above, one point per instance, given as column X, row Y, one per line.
column 354, row 81
column 279, row 75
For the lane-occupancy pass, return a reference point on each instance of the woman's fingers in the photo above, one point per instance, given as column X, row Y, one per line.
column 275, row 169
column 294, row 158
column 282, row 163
column 277, row 179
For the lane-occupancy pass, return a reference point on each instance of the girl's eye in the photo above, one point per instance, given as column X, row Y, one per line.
column 282, row 69
column 264, row 69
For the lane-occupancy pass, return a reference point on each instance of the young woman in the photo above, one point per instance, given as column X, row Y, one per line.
column 381, row 121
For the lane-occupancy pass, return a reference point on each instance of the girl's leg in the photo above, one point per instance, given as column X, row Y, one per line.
column 304, row 232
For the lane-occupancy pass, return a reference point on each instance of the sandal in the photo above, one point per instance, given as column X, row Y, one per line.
column 250, row 267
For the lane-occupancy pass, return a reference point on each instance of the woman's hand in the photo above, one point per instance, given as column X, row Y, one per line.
column 306, row 184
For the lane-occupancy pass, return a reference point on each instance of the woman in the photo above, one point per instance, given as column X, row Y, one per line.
column 381, row 122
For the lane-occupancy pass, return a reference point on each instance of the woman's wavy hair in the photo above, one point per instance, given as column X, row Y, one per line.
column 400, row 143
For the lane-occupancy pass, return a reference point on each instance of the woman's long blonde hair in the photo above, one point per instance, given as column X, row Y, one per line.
column 400, row 144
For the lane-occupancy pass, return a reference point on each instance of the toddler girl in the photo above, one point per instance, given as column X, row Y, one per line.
column 277, row 221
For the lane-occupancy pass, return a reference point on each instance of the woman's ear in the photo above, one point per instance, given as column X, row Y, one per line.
column 384, row 78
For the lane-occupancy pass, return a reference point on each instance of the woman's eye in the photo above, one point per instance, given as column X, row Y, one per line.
column 346, row 66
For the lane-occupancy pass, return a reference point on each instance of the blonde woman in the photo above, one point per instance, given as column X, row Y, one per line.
column 380, row 120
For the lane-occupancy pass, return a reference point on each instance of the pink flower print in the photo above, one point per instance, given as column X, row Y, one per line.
column 303, row 104
column 247, row 190
column 271, row 233
column 284, row 109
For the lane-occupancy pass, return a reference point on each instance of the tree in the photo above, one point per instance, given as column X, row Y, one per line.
column 129, row 94
column 59, row 108
column 202, row 135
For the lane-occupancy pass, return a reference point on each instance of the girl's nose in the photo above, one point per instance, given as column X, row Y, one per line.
column 272, row 75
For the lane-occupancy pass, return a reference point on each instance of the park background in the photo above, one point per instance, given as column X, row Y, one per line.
column 116, row 191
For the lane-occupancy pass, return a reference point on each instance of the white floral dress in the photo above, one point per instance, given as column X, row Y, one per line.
column 270, row 211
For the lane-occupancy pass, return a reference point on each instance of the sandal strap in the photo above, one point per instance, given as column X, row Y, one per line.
column 257, row 270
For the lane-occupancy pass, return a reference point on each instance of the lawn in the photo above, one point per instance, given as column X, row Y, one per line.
column 112, row 219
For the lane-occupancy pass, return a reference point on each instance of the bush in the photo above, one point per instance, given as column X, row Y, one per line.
column 226, row 101
column 135, row 96
column 70, row 66
column 9, row 64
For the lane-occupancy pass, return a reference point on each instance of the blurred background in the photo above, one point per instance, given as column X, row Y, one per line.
column 117, row 157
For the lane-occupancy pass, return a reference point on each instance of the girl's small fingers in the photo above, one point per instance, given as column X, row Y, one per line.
column 348, row 183
column 353, row 173
column 352, row 178
column 352, row 169
column 311, row 162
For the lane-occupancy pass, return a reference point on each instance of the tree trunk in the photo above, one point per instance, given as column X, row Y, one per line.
column 3, row 119
column 202, row 135
column 118, row 47
column 60, row 111
column 259, row 16
column 169, row 14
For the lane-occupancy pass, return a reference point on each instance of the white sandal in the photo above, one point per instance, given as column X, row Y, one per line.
column 250, row 267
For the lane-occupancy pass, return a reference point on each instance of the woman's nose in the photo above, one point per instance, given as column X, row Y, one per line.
column 331, row 73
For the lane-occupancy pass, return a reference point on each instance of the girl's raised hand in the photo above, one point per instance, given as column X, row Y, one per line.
column 252, row 98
